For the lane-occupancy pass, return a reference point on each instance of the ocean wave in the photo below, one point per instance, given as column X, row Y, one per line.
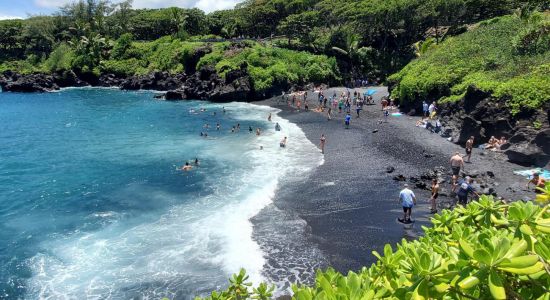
column 192, row 248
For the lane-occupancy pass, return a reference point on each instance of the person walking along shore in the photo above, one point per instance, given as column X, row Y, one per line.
column 322, row 143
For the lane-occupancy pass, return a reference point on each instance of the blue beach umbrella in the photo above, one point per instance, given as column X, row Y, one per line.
column 370, row 92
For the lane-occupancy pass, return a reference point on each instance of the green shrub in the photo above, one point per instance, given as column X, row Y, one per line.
column 270, row 65
column 122, row 44
column 485, row 250
column 506, row 56
column 125, row 67
column 60, row 59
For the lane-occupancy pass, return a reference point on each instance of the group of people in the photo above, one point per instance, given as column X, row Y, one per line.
column 234, row 129
column 494, row 144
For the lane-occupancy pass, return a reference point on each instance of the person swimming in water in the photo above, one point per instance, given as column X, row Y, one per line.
column 258, row 131
column 187, row 167
column 250, row 129
column 283, row 143
column 218, row 126
column 277, row 127
column 197, row 162
column 269, row 117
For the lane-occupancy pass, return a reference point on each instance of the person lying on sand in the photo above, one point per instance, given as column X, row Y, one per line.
column 501, row 142
column 492, row 143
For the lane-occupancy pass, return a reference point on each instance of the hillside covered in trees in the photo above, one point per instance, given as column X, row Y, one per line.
column 369, row 38
column 273, row 43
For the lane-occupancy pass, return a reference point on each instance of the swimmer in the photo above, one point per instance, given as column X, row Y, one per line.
column 238, row 127
column 250, row 129
column 269, row 117
column 223, row 109
column 261, row 147
column 218, row 126
column 277, row 127
column 233, row 129
column 258, row 131
column 283, row 143
column 197, row 162
column 187, row 167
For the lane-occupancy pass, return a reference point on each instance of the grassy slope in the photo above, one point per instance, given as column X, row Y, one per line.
column 498, row 56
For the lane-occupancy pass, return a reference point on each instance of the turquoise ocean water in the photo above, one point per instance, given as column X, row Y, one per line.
column 92, row 205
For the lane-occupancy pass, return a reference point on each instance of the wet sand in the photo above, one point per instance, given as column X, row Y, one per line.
column 350, row 203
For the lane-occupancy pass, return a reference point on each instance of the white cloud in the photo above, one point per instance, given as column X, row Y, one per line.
column 206, row 5
column 51, row 3
column 212, row 5
column 3, row 17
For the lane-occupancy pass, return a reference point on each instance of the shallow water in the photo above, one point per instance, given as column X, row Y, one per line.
column 92, row 204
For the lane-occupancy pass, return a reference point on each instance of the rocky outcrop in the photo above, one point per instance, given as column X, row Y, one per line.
column 161, row 81
column 480, row 115
column 68, row 79
column 13, row 82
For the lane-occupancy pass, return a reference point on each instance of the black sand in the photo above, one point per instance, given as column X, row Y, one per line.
column 350, row 204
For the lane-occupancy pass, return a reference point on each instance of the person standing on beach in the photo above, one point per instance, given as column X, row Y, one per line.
column 435, row 194
column 469, row 147
column 386, row 115
column 457, row 163
column 425, row 108
column 329, row 113
column 322, row 143
column 347, row 120
column 465, row 188
column 408, row 200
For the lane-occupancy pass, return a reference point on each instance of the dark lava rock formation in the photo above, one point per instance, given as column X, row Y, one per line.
column 480, row 115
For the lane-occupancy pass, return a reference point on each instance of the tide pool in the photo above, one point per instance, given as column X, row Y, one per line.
column 92, row 204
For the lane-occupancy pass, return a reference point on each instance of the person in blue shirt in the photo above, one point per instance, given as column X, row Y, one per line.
column 408, row 200
column 464, row 189
column 347, row 120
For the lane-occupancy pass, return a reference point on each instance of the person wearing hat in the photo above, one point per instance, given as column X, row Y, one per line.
column 464, row 189
column 408, row 200
column 538, row 181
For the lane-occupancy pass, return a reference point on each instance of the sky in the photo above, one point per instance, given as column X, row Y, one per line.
column 10, row 9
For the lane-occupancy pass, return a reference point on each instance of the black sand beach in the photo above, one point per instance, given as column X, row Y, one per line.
column 350, row 203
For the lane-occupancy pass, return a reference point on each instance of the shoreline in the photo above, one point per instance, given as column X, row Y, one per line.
column 349, row 204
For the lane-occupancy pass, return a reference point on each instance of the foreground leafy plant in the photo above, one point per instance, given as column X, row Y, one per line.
column 486, row 250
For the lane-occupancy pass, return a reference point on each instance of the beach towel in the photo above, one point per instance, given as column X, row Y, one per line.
column 545, row 174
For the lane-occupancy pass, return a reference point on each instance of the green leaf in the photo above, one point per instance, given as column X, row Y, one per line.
column 525, row 229
column 520, row 262
column 496, row 286
column 482, row 256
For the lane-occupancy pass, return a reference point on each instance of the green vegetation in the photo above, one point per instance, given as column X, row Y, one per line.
column 506, row 56
column 486, row 250
column 368, row 38
column 269, row 65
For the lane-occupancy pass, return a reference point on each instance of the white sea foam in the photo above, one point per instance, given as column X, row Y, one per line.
column 195, row 246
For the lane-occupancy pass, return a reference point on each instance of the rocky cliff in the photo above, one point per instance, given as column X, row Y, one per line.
column 480, row 115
